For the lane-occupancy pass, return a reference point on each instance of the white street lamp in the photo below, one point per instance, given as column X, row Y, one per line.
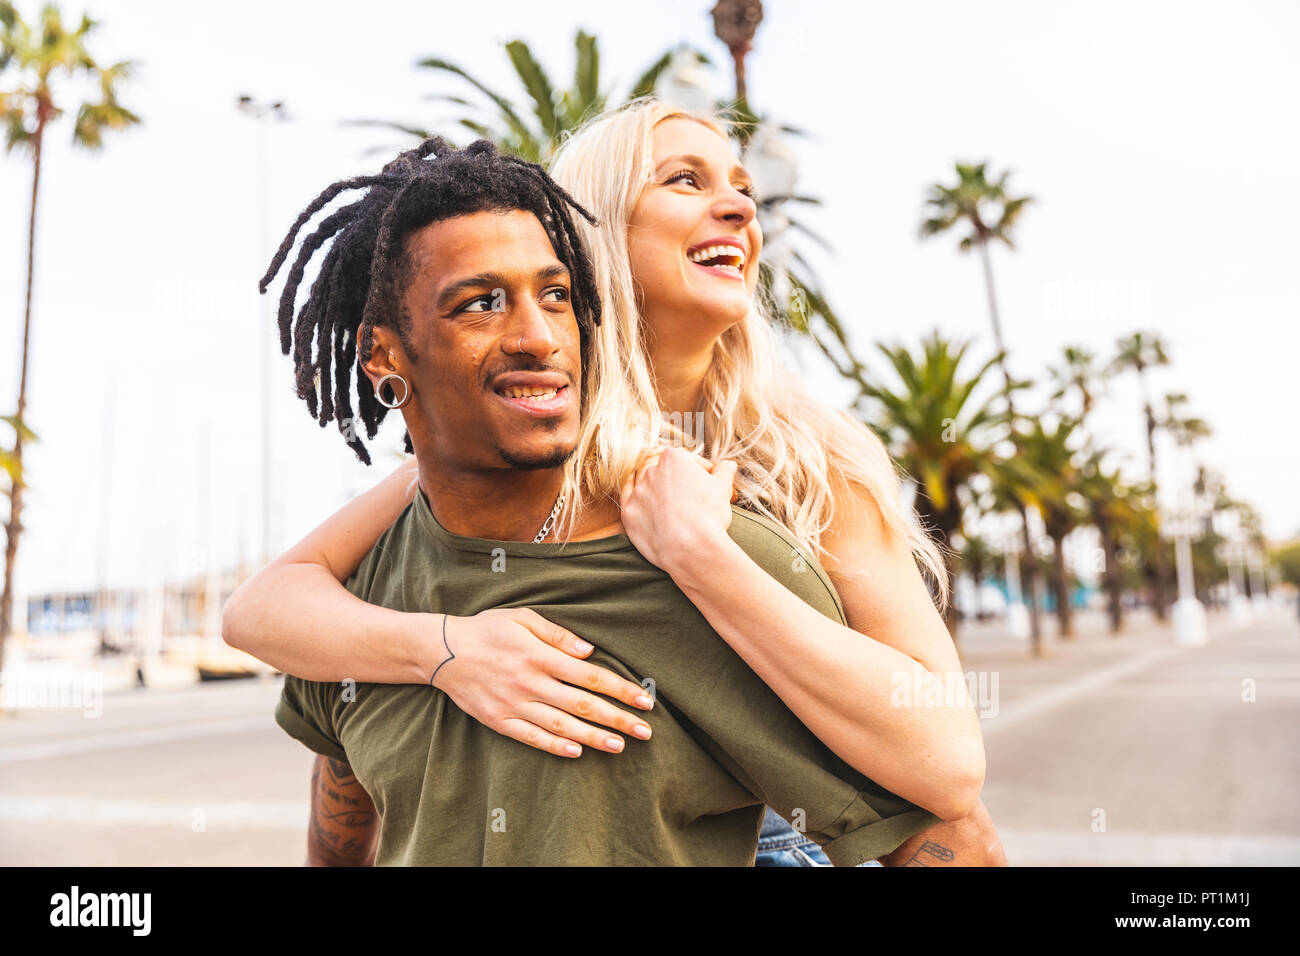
column 1188, row 612
column 1017, row 613
column 1258, row 598
column 773, row 168
column 1227, row 525
column 685, row 83
column 772, row 164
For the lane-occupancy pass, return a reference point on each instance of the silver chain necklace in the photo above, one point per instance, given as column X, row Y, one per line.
column 550, row 522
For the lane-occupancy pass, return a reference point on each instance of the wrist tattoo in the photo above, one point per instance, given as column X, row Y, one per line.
column 451, row 655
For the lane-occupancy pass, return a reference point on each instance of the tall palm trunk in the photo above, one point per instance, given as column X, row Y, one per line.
column 944, row 524
column 1061, row 586
column 1160, row 564
column 14, row 525
column 1035, row 626
column 950, row 615
column 993, row 304
column 1114, row 581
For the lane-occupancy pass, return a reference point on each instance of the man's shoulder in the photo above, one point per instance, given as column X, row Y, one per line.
column 388, row 553
column 778, row 552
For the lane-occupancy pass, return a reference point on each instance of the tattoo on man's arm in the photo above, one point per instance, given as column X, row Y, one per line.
column 343, row 823
column 933, row 851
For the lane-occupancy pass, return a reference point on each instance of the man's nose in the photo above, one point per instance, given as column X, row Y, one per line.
column 532, row 330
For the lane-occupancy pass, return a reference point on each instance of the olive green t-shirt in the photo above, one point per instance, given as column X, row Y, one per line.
column 450, row 791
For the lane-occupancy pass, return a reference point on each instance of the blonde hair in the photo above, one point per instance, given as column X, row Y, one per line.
column 789, row 448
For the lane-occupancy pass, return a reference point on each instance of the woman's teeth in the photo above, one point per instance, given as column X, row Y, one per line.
column 729, row 258
column 541, row 394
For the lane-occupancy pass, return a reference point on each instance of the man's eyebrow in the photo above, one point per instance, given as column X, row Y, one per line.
column 492, row 280
column 693, row 160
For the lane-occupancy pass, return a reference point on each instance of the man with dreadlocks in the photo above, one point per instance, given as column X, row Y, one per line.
column 460, row 286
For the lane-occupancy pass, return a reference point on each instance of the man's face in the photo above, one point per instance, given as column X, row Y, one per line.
column 497, row 373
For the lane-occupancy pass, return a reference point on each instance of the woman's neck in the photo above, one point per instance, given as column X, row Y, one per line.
column 679, row 375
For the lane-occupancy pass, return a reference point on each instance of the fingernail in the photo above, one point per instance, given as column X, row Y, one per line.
column 572, row 750
column 613, row 743
column 645, row 700
column 642, row 731
column 583, row 647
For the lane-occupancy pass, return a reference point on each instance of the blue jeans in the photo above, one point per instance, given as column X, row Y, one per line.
column 782, row 845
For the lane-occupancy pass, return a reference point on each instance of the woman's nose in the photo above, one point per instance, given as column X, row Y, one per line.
column 736, row 208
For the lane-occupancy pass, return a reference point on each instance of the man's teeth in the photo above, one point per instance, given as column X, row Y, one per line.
column 524, row 391
column 734, row 254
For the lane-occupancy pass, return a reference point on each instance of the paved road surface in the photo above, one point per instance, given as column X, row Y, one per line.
column 1133, row 751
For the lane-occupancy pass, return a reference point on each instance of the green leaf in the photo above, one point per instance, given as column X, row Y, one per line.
column 537, row 85
column 19, row 427
column 512, row 118
column 586, row 74
column 10, row 464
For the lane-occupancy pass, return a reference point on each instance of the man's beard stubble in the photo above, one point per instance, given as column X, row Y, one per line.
column 551, row 459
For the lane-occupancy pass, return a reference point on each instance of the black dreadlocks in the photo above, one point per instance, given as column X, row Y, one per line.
column 364, row 276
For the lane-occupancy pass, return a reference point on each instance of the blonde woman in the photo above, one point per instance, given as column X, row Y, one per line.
column 676, row 261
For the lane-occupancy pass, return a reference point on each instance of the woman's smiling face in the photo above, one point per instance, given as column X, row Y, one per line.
column 693, row 238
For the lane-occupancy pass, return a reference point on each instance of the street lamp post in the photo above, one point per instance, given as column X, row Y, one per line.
column 772, row 164
column 1188, row 612
column 1258, row 588
column 684, row 82
column 262, row 111
column 1227, row 525
column 1017, row 613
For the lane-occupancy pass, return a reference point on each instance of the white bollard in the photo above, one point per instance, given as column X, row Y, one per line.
column 1018, row 621
column 1189, row 622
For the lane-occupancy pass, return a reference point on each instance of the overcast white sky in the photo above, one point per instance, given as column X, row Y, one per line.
column 1159, row 139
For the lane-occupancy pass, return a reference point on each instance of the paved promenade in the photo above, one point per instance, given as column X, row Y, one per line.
column 1131, row 751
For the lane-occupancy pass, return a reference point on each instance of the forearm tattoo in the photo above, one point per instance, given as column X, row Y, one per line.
column 341, row 831
column 928, row 852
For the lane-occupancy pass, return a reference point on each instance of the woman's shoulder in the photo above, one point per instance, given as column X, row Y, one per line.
column 772, row 547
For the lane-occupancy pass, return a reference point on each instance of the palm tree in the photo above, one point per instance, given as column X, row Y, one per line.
column 534, row 133
column 1050, row 476
column 1144, row 540
column 38, row 53
column 936, row 429
column 1077, row 373
column 1186, row 430
column 1111, row 510
column 965, row 204
column 976, row 202
column 1139, row 352
column 1004, row 493
column 735, row 23
column 9, row 462
column 976, row 556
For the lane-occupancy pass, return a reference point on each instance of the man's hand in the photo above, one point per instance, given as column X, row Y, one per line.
column 970, row 841
column 344, row 827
